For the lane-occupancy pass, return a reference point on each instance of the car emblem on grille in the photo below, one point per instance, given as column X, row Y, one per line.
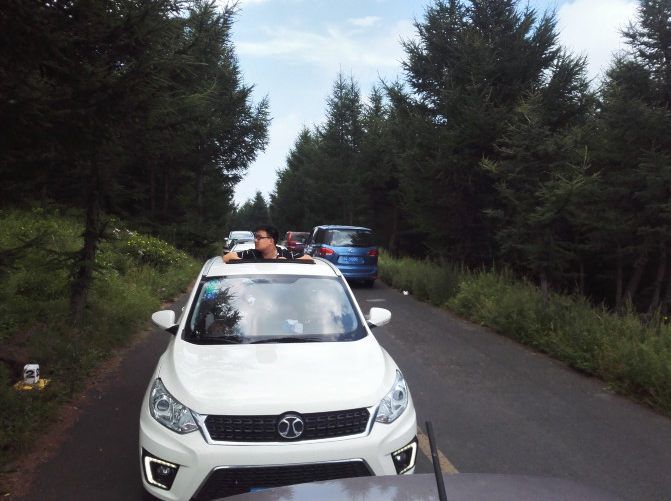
column 290, row 426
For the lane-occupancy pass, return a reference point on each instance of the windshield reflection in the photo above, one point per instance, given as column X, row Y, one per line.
column 254, row 309
column 350, row 238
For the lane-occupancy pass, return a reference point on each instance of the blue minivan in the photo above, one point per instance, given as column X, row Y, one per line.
column 351, row 248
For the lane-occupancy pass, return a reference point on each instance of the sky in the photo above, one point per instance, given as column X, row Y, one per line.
column 291, row 51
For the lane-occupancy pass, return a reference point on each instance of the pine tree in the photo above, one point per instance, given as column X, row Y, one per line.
column 289, row 203
column 470, row 66
column 133, row 108
column 340, row 142
column 252, row 213
column 631, row 225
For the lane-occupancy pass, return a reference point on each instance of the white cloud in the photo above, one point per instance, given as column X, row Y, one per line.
column 592, row 28
column 333, row 49
column 365, row 54
column 242, row 3
column 364, row 22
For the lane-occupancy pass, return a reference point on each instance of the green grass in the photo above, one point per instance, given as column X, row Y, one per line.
column 133, row 274
column 428, row 281
column 633, row 357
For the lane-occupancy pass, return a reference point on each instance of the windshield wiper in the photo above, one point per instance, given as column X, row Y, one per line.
column 288, row 339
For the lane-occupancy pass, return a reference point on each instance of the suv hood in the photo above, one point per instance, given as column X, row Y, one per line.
column 256, row 379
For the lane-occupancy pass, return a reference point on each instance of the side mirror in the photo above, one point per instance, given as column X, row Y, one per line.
column 378, row 317
column 165, row 319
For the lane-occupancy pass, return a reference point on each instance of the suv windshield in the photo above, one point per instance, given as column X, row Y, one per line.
column 272, row 309
column 349, row 238
column 241, row 235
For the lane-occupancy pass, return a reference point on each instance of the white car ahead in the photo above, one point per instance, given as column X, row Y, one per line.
column 272, row 378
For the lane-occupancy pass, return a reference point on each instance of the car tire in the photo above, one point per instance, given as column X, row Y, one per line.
column 369, row 284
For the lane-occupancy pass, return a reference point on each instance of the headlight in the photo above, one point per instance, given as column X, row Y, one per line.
column 168, row 411
column 394, row 403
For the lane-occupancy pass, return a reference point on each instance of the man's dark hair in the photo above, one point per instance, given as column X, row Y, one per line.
column 270, row 230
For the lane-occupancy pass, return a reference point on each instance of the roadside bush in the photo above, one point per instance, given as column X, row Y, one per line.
column 34, row 293
column 34, row 273
column 150, row 250
column 425, row 280
column 632, row 356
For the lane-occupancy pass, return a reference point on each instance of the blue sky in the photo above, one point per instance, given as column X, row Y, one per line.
column 292, row 51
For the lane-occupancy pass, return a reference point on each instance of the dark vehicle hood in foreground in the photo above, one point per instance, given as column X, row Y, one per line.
column 422, row 487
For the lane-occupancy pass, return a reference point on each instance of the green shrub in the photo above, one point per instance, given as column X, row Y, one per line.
column 149, row 250
column 427, row 281
column 34, row 273
column 133, row 274
column 633, row 357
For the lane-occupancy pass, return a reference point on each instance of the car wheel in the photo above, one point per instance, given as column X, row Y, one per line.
column 369, row 284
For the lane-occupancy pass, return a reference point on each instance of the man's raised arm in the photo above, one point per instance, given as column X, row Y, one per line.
column 231, row 256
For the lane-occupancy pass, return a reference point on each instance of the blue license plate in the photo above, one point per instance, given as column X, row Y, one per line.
column 350, row 259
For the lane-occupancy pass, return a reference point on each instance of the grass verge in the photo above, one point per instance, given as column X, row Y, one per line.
column 134, row 274
column 633, row 357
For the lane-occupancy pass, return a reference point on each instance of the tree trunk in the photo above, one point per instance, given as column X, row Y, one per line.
column 152, row 188
column 619, row 281
column 545, row 288
column 635, row 279
column 200, row 187
column 666, row 302
column 166, row 191
column 393, row 245
column 659, row 279
column 83, row 275
column 581, row 277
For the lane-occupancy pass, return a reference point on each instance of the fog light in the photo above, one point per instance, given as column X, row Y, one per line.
column 404, row 458
column 157, row 472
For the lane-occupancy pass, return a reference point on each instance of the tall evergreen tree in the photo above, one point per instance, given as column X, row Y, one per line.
column 212, row 129
column 127, row 107
column 383, row 146
column 289, row 205
column 340, row 142
column 251, row 214
column 631, row 225
column 469, row 67
column 541, row 175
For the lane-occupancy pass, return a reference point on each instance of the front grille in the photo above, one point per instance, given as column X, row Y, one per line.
column 230, row 481
column 317, row 425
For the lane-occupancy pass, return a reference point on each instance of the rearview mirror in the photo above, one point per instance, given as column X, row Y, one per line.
column 378, row 317
column 165, row 319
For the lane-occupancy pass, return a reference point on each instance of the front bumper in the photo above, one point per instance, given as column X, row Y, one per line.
column 198, row 460
column 358, row 272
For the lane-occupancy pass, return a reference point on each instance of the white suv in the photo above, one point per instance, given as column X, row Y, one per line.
column 272, row 378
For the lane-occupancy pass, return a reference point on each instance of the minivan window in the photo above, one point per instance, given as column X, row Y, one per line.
column 349, row 238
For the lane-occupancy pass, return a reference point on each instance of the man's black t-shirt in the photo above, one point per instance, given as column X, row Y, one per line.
column 254, row 255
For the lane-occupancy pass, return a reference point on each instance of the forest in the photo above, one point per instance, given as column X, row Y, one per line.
column 492, row 149
column 134, row 110
column 490, row 169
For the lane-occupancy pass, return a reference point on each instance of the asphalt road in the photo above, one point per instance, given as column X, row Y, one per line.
column 495, row 407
